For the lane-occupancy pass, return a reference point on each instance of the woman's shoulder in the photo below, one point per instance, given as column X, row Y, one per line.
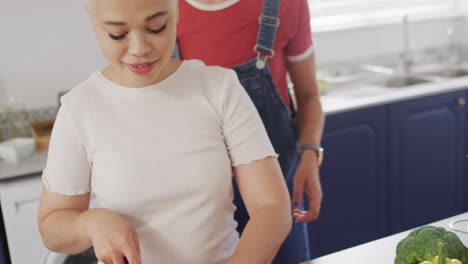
column 81, row 93
column 217, row 83
column 211, row 72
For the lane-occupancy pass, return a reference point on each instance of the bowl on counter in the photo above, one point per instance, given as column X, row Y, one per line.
column 16, row 149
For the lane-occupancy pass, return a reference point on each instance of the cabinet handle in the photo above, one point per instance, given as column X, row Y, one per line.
column 461, row 101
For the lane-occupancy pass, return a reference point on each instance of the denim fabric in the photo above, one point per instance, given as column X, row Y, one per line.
column 176, row 52
column 268, row 25
column 280, row 127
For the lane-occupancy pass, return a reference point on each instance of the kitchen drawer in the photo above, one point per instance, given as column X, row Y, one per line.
column 20, row 204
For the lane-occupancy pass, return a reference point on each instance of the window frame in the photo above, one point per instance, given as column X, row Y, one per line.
column 387, row 12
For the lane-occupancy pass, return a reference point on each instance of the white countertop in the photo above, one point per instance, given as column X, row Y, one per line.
column 338, row 100
column 359, row 96
column 32, row 165
column 383, row 251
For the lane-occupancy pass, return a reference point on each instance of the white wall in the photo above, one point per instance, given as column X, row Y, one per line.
column 45, row 47
column 347, row 44
column 464, row 7
column 49, row 46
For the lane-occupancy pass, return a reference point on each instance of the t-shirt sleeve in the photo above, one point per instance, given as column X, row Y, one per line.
column 245, row 135
column 68, row 170
column 300, row 45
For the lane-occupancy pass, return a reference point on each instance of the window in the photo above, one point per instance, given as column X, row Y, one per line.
column 350, row 12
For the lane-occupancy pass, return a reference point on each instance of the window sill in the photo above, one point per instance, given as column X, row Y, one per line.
column 355, row 21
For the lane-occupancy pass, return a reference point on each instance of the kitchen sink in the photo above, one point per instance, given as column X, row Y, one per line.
column 395, row 81
column 390, row 78
column 449, row 72
column 380, row 79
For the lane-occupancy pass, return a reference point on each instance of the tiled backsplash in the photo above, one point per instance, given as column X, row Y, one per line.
column 16, row 123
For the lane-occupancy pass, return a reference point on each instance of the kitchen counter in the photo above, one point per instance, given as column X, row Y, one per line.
column 382, row 251
column 357, row 96
column 337, row 100
column 32, row 165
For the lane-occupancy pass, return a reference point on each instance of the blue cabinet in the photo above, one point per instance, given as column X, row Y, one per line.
column 4, row 253
column 465, row 176
column 391, row 168
column 426, row 159
column 353, row 181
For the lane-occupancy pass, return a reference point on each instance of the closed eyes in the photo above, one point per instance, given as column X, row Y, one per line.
column 152, row 31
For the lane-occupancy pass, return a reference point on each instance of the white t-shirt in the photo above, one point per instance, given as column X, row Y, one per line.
column 161, row 156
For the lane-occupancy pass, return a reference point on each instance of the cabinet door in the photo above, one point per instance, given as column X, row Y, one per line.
column 465, row 177
column 426, row 160
column 4, row 253
column 20, row 205
column 20, row 201
column 353, row 179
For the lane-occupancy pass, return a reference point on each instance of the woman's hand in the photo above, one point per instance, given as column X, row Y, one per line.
column 113, row 237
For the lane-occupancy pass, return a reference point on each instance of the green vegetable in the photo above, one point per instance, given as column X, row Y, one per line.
column 422, row 244
column 440, row 247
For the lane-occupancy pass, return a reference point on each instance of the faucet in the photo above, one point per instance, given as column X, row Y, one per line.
column 452, row 51
column 407, row 56
column 377, row 69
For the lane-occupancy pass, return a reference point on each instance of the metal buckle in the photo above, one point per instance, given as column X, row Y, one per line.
column 261, row 62
column 261, row 59
column 270, row 18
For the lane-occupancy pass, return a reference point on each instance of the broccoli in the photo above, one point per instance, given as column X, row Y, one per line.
column 421, row 245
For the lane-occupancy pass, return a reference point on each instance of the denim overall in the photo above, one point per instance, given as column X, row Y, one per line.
column 256, row 78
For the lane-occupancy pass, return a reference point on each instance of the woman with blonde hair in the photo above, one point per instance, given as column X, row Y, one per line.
column 157, row 140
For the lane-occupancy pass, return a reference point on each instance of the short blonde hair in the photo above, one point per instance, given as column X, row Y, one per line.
column 90, row 4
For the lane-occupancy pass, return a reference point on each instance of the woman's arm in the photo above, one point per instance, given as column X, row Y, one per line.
column 265, row 195
column 68, row 226
column 58, row 222
column 310, row 122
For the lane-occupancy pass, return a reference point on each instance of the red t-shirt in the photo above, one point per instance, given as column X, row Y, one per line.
column 225, row 34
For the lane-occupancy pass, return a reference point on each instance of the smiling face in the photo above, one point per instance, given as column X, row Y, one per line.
column 137, row 38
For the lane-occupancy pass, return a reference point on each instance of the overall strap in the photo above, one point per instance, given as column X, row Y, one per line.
column 176, row 52
column 268, row 25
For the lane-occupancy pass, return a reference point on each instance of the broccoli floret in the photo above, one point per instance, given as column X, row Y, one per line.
column 421, row 245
